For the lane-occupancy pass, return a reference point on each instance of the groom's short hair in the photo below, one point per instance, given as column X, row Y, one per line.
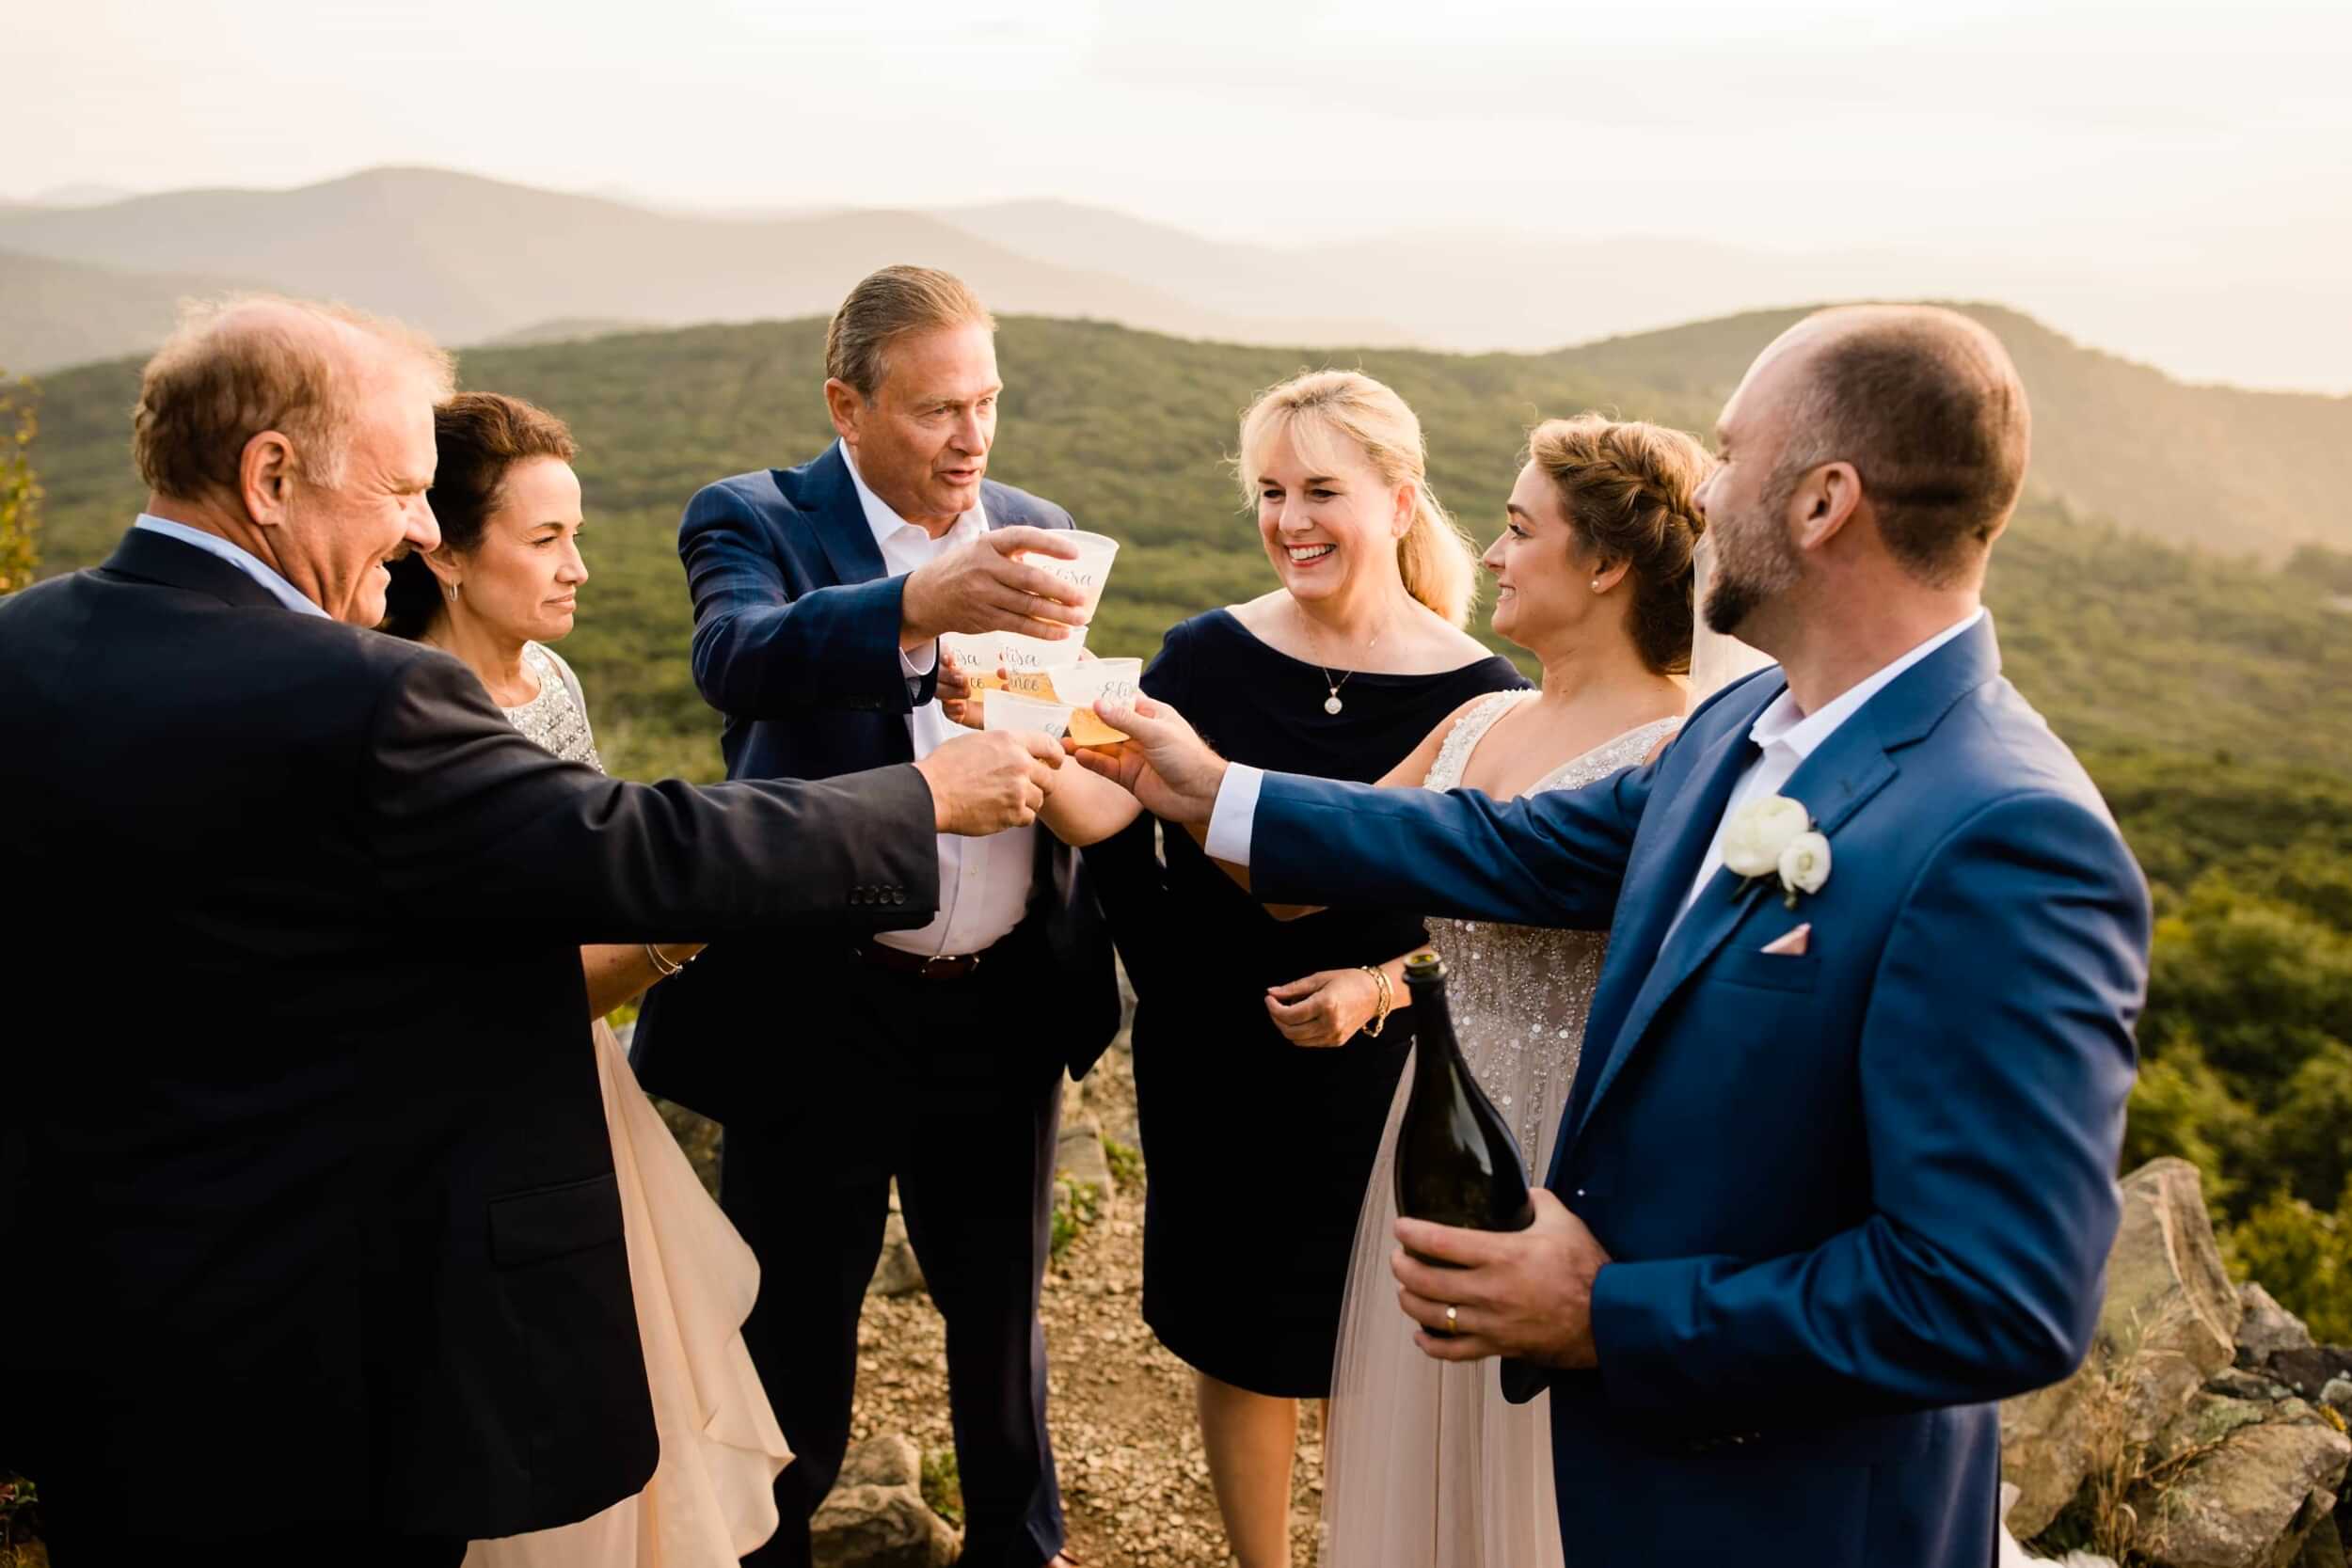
column 236, row 367
column 1927, row 407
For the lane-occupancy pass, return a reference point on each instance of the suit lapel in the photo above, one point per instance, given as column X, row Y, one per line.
column 1836, row 780
column 1653, row 895
column 829, row 497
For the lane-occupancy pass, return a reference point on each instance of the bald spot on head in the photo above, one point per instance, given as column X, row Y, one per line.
column 236, row 368
column 1926, row 405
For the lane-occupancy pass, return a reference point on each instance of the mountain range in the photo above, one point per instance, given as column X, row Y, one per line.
column 473, row 259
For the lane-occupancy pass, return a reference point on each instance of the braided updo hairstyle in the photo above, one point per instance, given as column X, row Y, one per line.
column 1627, row 490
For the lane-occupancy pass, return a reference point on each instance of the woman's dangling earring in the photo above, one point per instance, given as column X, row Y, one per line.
column 450, row 588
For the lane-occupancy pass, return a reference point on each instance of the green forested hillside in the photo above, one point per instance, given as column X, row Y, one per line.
column 2204, row 687
column 2127, row 646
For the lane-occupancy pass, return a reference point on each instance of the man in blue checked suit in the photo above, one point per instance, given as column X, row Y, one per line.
column 1837, row 1167
column 934, row 1055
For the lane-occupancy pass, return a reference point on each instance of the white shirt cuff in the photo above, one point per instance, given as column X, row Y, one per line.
column 1235, row 815
column 916, row 668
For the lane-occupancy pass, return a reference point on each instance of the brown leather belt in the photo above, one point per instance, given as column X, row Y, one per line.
column 942, row 966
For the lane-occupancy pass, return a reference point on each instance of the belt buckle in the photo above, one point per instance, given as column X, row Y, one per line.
column 936, row 967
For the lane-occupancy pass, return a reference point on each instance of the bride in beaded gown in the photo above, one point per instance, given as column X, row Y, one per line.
column 1426, row 1463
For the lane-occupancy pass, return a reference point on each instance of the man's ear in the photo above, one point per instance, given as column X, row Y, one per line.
column 1823, row 503
column 265, row 474
column 847, row 405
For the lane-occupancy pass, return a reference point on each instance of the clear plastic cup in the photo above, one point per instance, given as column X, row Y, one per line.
column 980, row 654
column 1089, row 573
column 1009, row 711
column 1082, row 684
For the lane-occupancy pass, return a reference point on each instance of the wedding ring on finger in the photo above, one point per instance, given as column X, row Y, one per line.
column 1453, row 1320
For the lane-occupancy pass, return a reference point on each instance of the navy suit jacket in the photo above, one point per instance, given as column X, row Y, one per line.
column 796, row 641
column 1854, row 1198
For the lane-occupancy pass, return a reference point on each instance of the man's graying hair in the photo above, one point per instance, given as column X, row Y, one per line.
column 887, row 306
column 1926, row 405
column 234, row 367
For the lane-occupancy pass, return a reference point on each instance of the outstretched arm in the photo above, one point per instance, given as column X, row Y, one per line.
column 1995, row 1114
column 1555, row 859
column 470, row 821
column 760, row 651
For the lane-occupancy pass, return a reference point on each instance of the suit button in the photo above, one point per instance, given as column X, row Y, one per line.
column 898, row 896
column 1580, row 1191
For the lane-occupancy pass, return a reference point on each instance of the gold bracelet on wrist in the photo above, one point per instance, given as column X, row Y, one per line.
column 662, row 966
column 1387, row 997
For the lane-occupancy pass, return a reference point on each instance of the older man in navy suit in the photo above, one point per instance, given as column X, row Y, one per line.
column 935, row 1055
column 1837, row 1170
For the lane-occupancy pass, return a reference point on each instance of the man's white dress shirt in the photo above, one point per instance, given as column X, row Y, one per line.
column 983, row 882
column 243, row 560
column 1785, row 733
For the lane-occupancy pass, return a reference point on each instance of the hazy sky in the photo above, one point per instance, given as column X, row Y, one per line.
column 2211, row 142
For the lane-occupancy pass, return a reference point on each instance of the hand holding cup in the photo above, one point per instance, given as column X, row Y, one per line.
column 984, row 783
column 986, row 585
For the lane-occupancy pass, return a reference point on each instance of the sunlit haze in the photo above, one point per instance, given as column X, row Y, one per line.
column 2163, row 181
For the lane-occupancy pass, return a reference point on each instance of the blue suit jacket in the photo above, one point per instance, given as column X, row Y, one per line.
column 1852, row 1197
column 796, row 641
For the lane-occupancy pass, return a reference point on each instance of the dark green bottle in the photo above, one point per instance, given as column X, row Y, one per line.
column 1456, row 1162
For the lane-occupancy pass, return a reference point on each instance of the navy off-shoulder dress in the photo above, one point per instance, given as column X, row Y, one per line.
column 1257, row 1151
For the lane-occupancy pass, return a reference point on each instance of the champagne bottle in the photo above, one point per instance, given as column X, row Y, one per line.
column 1456, row 1162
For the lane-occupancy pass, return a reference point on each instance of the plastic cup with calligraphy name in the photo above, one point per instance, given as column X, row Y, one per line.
column 1088, row 572
column 1084, row 684
column 1009, row 711
column 980, row 654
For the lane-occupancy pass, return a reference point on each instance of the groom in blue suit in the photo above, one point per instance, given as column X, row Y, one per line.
column 1837, row 1167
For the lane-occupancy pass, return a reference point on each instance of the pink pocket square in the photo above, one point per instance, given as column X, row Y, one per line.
column 1793, row 945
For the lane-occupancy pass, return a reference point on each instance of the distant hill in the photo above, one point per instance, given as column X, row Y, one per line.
column 56, row 312
column 470, row 259
column 2128, row 645
column 2215, row 466
column 475, row 260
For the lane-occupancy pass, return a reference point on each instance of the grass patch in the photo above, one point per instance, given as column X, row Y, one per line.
column 943, row 1486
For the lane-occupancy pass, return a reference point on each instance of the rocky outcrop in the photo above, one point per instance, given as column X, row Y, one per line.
column 2240, row 1483
column 2196, row 1435
column 2170, row 1322
column 875, row 1516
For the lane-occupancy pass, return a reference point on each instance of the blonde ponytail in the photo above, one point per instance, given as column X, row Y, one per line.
column 1435, row 558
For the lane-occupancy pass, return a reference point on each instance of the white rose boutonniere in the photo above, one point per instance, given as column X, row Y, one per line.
column 1775, row 837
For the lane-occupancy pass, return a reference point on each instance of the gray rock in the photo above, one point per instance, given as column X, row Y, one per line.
column 875, row 1516
column 897, row 1273
column 2337, row 1397
column 890, row 1460
column 2266, row 1328
column 2236, row 1383
column 1080, row 1156
column 2240, row 1485
column 2307, row 1371
column 2170, row 1323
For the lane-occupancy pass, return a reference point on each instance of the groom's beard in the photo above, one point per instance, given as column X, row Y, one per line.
column 1752, row 564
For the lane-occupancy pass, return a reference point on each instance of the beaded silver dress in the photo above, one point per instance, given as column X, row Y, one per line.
column 557, row 718
column 1426, row 1463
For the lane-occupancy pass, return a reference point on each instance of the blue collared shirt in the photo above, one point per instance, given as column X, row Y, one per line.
column 252, row 565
